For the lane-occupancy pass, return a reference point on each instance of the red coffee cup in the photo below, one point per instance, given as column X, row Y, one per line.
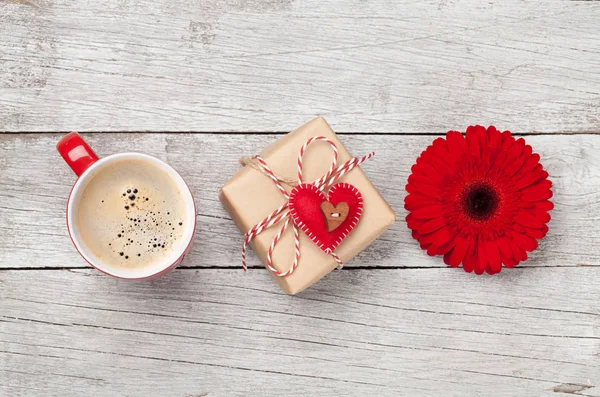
column 86, row 164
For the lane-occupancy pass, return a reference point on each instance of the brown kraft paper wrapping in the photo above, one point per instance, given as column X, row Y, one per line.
column 250, row 196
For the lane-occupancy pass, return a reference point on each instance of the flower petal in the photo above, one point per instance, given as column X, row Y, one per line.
column 526, row 242
column 442, row 236
column 473, row 142
column 413, row 223
column 416, row 201
column 427, row 170
column 514, row 163
column 427, row 240
column 544, row 205
column 427, row 190
column 469, row 262
column 432, row 211
column 432, row 225
column 445, row 248
column 538, row 233
column 456, row 144
column 459, row 251
column 493, row 255
column 482, row 138
column 442, row 157
column 495, row 144
column 528, row 179
column 517, row 252
column 447, row 258
column 508, row 141
column 530, row 163
column 536, row 194
column 482, row 258
column 530, row 221
column 509, row 262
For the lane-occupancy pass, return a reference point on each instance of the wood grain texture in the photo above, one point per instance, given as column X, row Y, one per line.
column 395, row 322
column 410, row 332
column 36, row 182
column 267, row 65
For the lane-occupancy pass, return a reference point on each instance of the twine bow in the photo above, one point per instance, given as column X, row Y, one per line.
column 282, row 213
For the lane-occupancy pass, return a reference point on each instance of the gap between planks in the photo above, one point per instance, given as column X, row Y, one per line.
column 374, row 133
column 260, row 267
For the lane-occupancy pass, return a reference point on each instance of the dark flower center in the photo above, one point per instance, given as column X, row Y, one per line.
column 480, row 201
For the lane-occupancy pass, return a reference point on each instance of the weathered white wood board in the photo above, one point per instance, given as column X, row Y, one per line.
column 395, row 332
column 36, row 182
column 395, row 322
column 263, row 65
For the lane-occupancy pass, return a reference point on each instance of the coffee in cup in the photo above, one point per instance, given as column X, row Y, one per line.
column 130, row 214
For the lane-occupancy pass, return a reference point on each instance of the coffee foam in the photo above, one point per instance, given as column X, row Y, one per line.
column 132, row 215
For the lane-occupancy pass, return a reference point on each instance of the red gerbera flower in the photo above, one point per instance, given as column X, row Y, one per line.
column 482, row 201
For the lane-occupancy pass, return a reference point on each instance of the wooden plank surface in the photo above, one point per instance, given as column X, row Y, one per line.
column 264, row 65
column 237, row 73
column 409, row 332
column 36, row 182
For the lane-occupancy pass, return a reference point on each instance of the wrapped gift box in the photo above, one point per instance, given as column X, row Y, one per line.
column 251, row 195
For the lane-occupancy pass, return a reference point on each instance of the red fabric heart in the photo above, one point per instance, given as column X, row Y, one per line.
column 305, row 208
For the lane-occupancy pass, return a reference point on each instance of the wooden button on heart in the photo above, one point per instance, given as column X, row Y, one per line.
column 334, row 214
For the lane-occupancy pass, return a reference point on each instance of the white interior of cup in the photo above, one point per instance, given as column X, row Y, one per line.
column 109, row 268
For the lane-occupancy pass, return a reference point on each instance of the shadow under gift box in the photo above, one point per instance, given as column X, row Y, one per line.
column 251, row 195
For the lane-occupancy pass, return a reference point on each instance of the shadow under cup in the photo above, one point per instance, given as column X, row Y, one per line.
column 131, row 216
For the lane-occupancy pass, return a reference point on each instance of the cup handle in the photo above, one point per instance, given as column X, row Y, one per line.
column 78, row 155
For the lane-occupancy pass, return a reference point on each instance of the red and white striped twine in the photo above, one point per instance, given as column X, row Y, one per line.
column 281, row 213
